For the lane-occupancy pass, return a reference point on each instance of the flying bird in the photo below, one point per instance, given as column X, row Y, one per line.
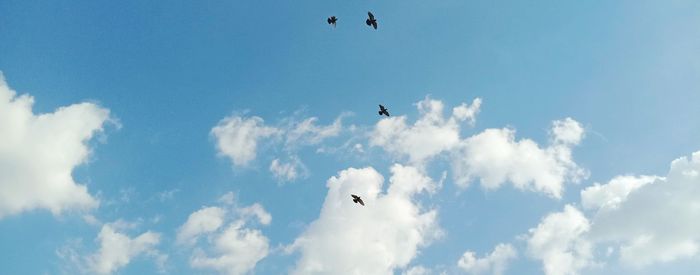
column 371, row 21
column 383, row 111
column 332, row 20
column 357, row 199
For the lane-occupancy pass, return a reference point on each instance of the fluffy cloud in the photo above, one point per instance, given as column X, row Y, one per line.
column 614, row 193
column 237, row 137
column 655, row 219
column 375, row 239
column 39, row 152
column 644, row 219
column 117, row 249
column 205, row 220
column 419, row 270
column 233, row 248
column 287, row 171
column 495, row 157
column 431, row 135
column 494, row 263
column 559, row 242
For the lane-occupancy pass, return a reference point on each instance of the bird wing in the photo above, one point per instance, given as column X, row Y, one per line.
column 361, row 202
column 381, row 107
column 387, row 112
column 371, row 16
column 354, row 196
column 374, row 24
column 329, row 21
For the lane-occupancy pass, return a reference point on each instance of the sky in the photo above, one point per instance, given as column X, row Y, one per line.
column 225, row 137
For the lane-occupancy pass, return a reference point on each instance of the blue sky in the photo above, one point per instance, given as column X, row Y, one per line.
column 169, row 73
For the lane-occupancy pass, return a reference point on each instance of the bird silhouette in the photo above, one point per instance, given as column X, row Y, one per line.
column 383, row 111
column 331, row 20
column 371, row 21
column 357, row 199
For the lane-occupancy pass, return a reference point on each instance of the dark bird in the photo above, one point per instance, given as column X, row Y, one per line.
column 332, row 20
column 383, row 111
column 357, row 199
column 371, row 21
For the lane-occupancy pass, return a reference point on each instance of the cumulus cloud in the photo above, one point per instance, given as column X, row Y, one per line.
column 38, row 153
column 117, row 249
column 237, row 137
column 654, row 219
column 643, row 220
column 494, row 263
column 287, row 171
column 420, row 270
column 205, row 220
column 466, row 112
column 559, row 242
column 614, row 193
column 429, row 136
column 351, row 239
column 496, row 157
column 232, row 245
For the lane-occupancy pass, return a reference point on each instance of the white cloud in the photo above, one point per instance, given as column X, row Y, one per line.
column 232, row 248
column 237, row 137
column 237, row 250
column 117, row 249
column 494, row 263
column 559, row 242
column 287, row 171
column 385, row 234
column 467, row 112
column 38, row 153
column 420, row 270
column 307, row 132
column 431, row 135
column 202, row 221
column 614, row 193
column 567, row 131
column 495, row 157
column 658, row 222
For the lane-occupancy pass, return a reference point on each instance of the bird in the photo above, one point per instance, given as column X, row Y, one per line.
column 357, row 199
column 371, row 21
column 332, row 20
column 383, row 111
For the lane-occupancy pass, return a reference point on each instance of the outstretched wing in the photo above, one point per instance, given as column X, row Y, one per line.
column 387, row 112
column 381, row 107
column 354, row 196
column 361, row 202
column 371, row 16
column 374, row 24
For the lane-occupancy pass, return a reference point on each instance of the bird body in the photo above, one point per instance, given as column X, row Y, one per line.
column 383, row 110
column 371, row 21
column 357, row 199
column 332, row 20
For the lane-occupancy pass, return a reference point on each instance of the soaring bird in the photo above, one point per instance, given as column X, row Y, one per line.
column 371, row 21
column 332, row 20
column 357, row 199
column 383, row 111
